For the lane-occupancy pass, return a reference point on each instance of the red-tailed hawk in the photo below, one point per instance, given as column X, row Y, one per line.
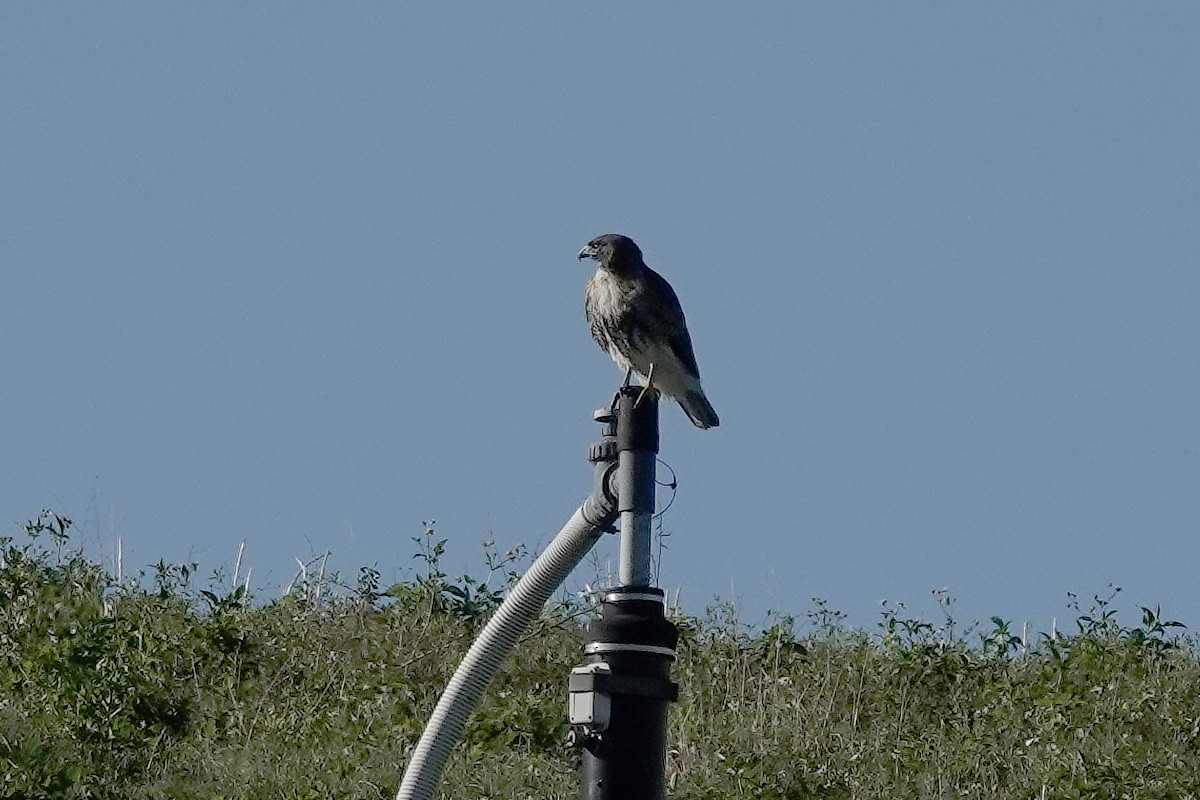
column 636, row 318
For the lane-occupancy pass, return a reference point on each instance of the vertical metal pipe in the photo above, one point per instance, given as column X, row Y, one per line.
column 625, row 685
column 637, row 442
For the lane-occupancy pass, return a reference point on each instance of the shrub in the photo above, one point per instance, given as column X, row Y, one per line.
column 151, row 689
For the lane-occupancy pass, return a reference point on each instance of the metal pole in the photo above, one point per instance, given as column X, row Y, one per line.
column 619, row 697
column 637, row 442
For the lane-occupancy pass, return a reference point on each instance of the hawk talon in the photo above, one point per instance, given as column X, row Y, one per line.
column 647, row 387
column 642, row 394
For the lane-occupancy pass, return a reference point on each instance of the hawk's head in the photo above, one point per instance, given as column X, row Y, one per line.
column 613, row 251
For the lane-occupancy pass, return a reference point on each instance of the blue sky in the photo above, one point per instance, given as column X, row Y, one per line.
column 304, row 276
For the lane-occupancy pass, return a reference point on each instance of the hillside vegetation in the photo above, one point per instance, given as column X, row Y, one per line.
column 154, row 689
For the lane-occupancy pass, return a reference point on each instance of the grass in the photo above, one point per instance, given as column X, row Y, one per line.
column 152, row 689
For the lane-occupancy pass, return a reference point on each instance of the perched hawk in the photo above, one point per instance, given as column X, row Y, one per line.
column 636, row 318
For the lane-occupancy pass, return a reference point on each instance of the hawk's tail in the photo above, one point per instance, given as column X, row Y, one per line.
column 698, row 409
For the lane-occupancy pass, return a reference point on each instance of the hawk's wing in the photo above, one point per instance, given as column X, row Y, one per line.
column 668, row 321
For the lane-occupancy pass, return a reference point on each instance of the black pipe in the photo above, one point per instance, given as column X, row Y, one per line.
column 635, row 640
column 619, row 696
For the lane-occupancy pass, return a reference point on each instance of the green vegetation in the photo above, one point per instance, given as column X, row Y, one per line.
column 152, row 689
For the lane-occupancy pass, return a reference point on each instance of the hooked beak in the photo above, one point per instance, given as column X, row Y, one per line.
column 587, row 251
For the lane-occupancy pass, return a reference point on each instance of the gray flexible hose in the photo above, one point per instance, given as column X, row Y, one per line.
column 481, row 662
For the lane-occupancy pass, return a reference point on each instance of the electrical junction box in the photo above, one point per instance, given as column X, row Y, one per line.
column 589, row 705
